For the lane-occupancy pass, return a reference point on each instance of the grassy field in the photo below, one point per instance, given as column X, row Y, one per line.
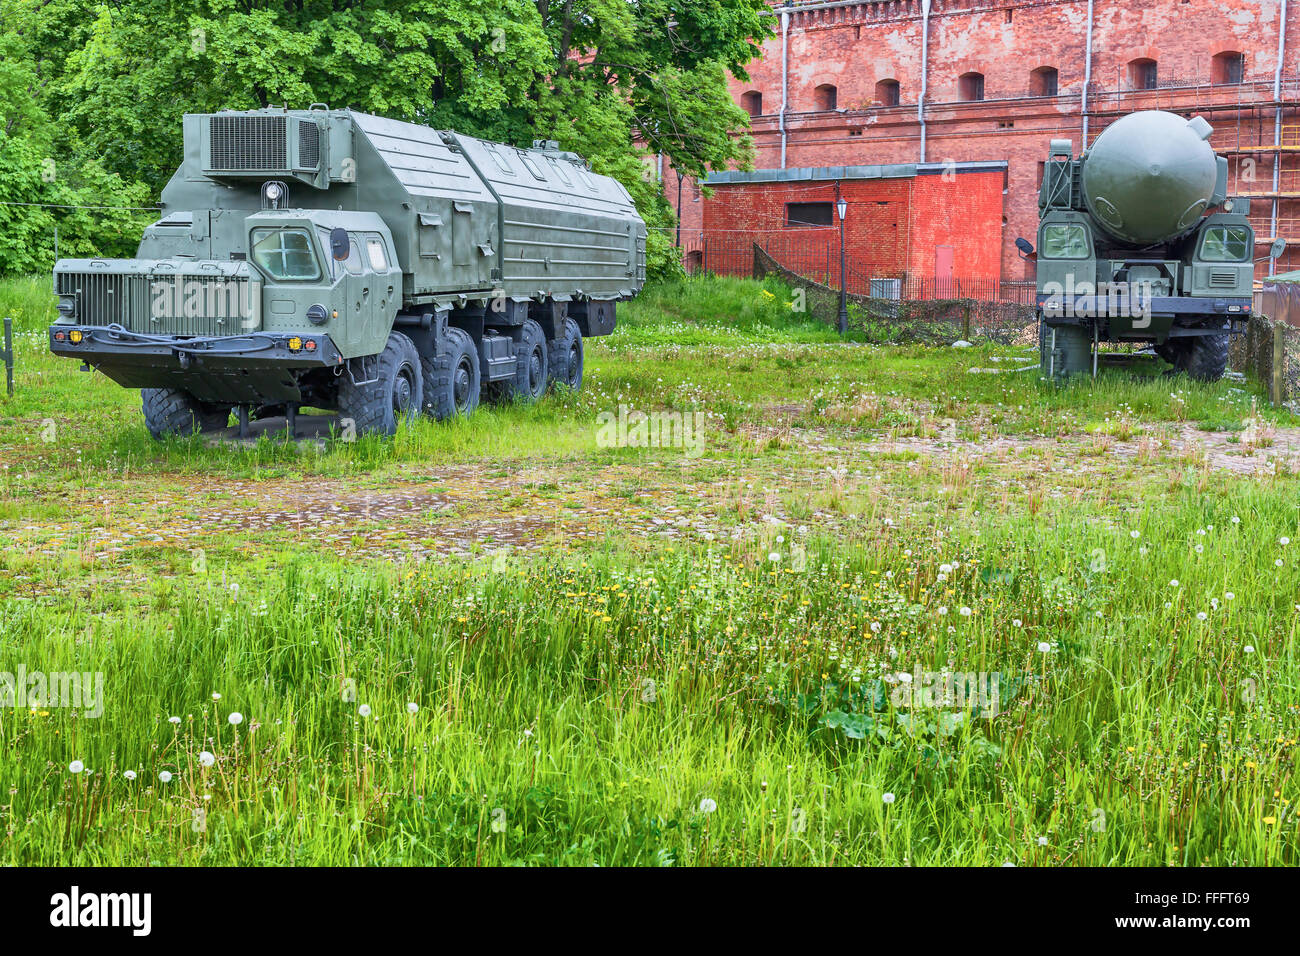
column 504, row 641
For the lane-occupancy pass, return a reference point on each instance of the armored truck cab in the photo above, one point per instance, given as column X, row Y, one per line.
column 1138, row 241
column 335, row 259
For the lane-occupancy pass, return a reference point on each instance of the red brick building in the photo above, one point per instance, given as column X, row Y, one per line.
column 961, row 84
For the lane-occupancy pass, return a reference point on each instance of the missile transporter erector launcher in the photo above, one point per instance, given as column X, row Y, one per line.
column 1138, row 241
column 334, row 259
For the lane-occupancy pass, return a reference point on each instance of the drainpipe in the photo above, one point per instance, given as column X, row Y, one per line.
column 1087, row 79
column 785, row 76
column 1277, row 126
column 925, row 62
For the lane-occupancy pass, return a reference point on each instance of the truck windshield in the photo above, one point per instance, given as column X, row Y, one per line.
column 285, row 253
column 1226, row 244
column 1065, row 241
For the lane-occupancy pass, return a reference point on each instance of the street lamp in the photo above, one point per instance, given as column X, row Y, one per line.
column 842, row 205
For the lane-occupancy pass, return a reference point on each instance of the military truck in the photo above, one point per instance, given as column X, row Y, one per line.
column 338, row 260
column 1138, row 241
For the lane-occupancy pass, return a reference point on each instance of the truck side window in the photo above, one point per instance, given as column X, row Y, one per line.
column 376, row 253
column 1065, row 241
column 1226, row 244
column 285, row 253
column 354, row 263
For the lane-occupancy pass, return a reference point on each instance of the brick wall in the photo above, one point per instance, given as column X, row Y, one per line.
column 856, row 45
column 892, row 226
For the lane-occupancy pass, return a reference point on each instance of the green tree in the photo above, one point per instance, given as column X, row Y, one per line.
column 615, row 80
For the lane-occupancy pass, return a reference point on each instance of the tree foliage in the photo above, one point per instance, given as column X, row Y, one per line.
column 99, row 90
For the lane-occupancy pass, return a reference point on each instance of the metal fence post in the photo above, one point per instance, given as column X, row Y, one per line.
column 9, row 356
column 1277, row 393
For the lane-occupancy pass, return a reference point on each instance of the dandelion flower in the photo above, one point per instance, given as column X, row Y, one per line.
column 364, row 710
column 708, row 805
column 1173, row 583
column 216, row 696
column 887, row 797
column 1044, row 647
column 965, row 612
column 207, row 759
column 1278, row 563
column 165, row 776
column 76, row 766
column 1284, row 541
column 1229, row 596
column 1042, row 841
column 774, row 557
column 1201, row 616
column 1249, row 649
column 412, row 707
column 1134, row 534
column 173, row 720
column 235, row 718
column 129, row 774
column 1016, row 622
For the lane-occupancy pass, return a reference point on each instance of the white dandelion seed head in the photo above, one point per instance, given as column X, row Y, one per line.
column 216, row 696
column 1201, row 616
column 1042, row 841
column 887, row 797
column 1173, row 583
column 965, row 612
column 129, row 774
column 774, row 557
column 1284, row 541
column 1229, row 596
column 206, row 758
column 1016, row 622
column 364, row 710
column 708, row 805
column 412, row 708
column 76, row 766
column 1044, row 647
column 1249, row 649
column 235, row 718
column 165, row 776
column 1135, row 534
column 173, row 720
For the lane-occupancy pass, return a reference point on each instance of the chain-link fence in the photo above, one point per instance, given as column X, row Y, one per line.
column 1270, row 349
column 894, row 316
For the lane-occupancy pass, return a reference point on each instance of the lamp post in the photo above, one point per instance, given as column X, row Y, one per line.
column 842, row 206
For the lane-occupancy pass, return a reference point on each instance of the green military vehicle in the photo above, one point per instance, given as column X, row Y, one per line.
column 338, row 260
column 1138, row 241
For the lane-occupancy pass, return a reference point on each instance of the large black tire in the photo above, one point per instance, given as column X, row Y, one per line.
column 452, row 379
column 564, row 357
column 391, row 388
column 1072, row 354
column 1202, row 357
column 170, row 411
column 531, row 362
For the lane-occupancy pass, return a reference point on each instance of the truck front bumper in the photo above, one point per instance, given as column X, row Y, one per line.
column 254, row 368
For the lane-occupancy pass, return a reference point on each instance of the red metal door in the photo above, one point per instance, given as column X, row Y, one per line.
column 943, row 272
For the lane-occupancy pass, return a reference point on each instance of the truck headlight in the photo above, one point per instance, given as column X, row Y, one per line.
column 67, row 306
column 317, row 315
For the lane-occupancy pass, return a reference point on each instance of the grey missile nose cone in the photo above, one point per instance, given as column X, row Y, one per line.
column 1149, row 176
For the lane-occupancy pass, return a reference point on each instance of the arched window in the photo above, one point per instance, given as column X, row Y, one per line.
column 1228, row 67
column 887, row 92
column 1142, row 74
column 1042, row 82
column 970, row 86
column 825, row 97
column 752, row 102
